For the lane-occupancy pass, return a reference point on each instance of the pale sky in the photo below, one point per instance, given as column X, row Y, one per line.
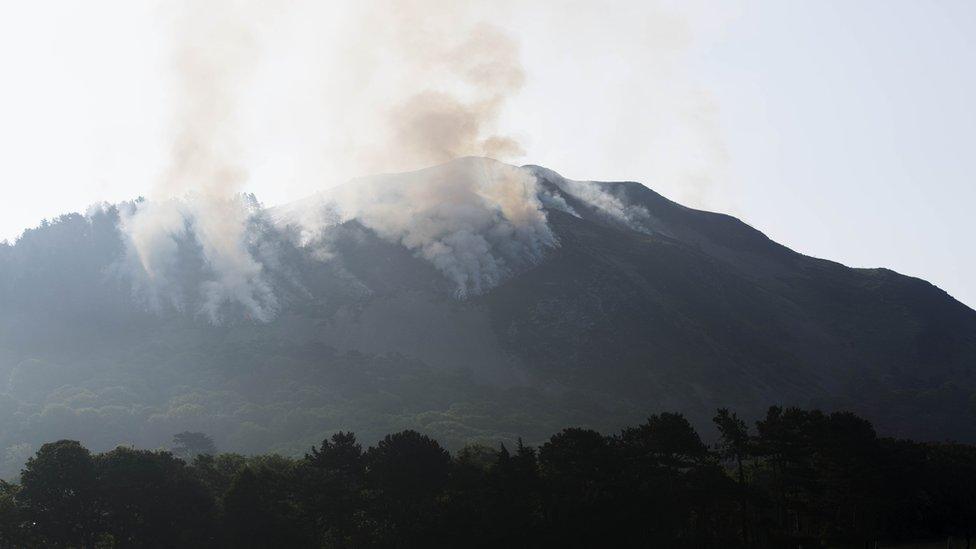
column 844, row 130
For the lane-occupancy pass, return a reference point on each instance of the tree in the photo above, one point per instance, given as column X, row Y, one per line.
column 331, row 485
column 58, row 491
column 785, row 443
column 189, row 445
column 846, row 460
column 477, row 457
column 514, row 498
column 735, row 445
column 950, row 482
column 828, row 480
column 342, row 453
column 261, row 507
column 405, row 472
column 470, row 518
column 578, row 467
column 657, row 457
column 408, row 466
column 217, row 472
column 12, row 518
column 667, row 440
column 145, row 493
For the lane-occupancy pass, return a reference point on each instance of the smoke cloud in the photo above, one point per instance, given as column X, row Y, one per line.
column 434, row 126
column 428, row 83
column 398, row 86
column 634, row 216
column 199, row 193
column 452, row 73
column 416, row 83
column 475, row 219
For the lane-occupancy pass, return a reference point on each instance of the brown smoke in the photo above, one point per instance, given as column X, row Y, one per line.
column 432, row 127
column 431, row 80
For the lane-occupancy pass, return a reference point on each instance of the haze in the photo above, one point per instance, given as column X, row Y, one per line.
column 842, row 130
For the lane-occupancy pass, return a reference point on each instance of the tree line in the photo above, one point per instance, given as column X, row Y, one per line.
column 798, row 478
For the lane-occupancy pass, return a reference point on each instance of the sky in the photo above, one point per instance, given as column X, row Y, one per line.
column 844, row 130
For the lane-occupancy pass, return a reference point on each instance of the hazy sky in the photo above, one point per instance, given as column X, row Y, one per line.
column 844, row 130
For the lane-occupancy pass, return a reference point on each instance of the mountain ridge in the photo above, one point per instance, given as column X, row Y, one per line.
column 598, row 304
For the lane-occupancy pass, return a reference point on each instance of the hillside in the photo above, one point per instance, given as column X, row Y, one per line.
column 472, row 301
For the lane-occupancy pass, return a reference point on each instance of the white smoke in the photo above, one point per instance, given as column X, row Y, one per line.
column 475, row 219
column 403, row 85
column 633, row 216
column 430, row 82
column 199, row 194
column 219, row 228
column 152, row 231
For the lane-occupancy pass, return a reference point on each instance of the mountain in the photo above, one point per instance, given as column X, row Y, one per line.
column 474, row 301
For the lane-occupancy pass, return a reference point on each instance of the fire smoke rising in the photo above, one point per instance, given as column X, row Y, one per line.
column 199, row 193
column 475, row 219
column 399, row 86
column 452, row 75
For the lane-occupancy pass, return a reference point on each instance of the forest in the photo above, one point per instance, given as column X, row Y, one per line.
column 81, row 358
column 796, row 478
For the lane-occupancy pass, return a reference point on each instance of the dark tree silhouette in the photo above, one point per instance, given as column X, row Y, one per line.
column 784, row 439
column 406, row 471
column 802, row 479
column 578, row 467
column 408, row 466
column 667, row 440
column 951, row 479
column 735, row 446
column 342, row 453
column 262, row 510
column 59, row 493
column 331, row 486
column 126, row 476
column 514, row 491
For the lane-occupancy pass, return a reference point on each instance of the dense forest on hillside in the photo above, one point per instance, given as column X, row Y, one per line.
column 799, row 478
column 372, row 341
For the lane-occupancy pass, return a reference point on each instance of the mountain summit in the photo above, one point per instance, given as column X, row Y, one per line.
column 473, row 300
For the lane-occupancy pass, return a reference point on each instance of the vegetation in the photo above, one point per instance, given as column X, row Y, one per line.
column 613, row 325
column 608, row 326
column 800, row 478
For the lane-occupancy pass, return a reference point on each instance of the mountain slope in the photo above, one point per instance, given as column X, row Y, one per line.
column 478, row 302
column 706, row 310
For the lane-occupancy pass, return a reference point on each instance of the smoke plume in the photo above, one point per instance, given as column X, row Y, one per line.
column 401, row 86
column 475, row 219
column 634, row 216
column 416, row 83
column 433, row 126
column 451, row 73
column 199, row 193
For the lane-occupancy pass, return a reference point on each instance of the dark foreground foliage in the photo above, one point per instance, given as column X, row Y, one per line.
column 799, row 479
